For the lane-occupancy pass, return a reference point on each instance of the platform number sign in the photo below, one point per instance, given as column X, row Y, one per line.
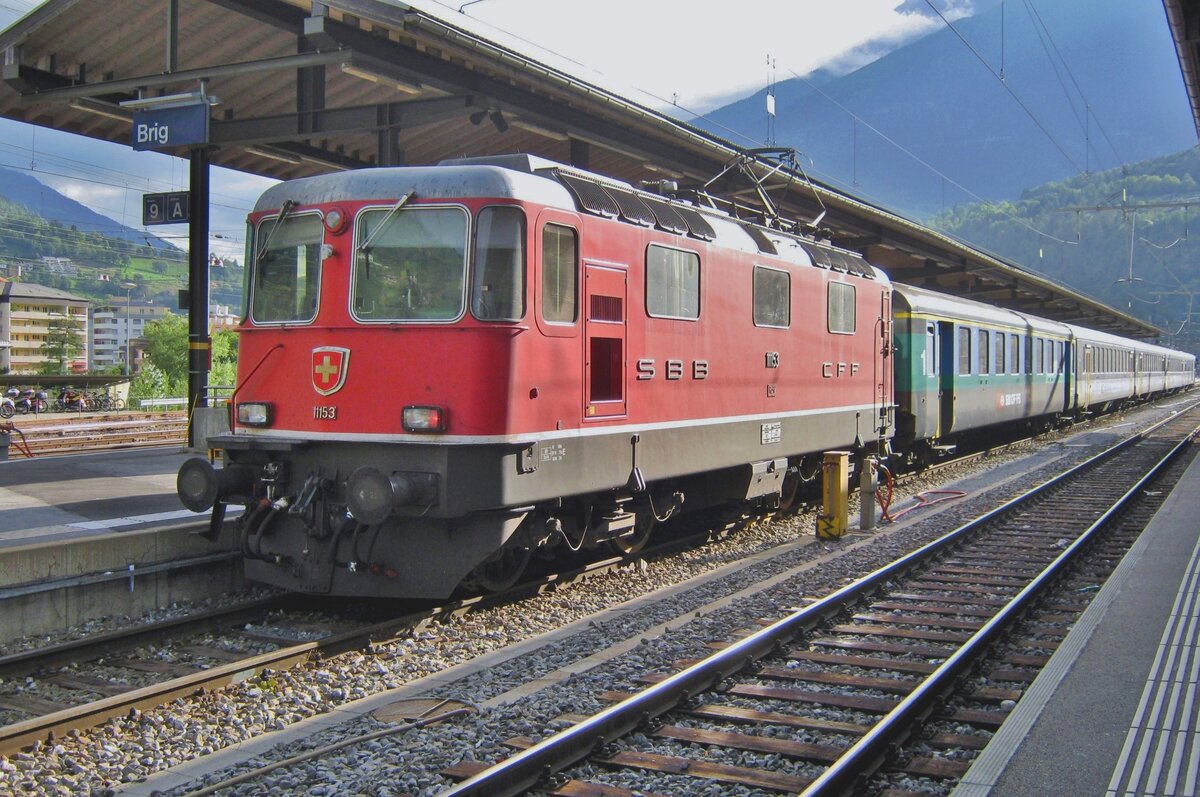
column 171, row 207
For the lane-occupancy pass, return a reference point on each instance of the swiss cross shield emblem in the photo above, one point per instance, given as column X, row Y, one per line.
column 329, row 366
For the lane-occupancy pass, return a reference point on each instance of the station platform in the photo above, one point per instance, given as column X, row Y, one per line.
column 1115, row 712
column 58, row 498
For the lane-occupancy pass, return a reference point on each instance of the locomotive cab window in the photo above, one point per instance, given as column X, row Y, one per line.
column 772, row 298
column 285, row 271
column 411, row 264
column 498, row 283
column 672, row 283
column 560, row 268
column 842, row 310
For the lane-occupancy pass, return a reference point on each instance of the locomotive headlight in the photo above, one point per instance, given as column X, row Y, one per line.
column 254, row 413
column 423, row 419
column 335, row 220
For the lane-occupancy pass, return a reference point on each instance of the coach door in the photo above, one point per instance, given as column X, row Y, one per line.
column 604, row 341
column 945, row 381
column 1089, row 368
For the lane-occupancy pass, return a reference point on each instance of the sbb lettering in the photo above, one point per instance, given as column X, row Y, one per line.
column 675, row 369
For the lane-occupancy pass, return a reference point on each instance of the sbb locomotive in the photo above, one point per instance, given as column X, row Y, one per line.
column 445, row 369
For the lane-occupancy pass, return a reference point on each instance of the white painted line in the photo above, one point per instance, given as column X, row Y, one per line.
column 136, row 520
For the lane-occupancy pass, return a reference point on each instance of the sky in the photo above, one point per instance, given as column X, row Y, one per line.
column 658, row 53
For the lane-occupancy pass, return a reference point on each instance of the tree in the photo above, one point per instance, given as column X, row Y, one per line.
column 167, row 348
column 165, row 369
column 64, row 341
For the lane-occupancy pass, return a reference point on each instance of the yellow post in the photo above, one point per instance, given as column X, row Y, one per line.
column 835, row 505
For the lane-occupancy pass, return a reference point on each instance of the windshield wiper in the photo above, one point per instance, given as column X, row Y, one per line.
column 288, row 206
column 365, row 246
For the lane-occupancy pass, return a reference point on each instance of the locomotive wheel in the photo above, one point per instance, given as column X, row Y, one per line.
column 789, row 490
column 636, row 540
column 499, row 571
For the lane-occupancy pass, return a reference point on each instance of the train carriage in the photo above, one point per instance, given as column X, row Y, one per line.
column 445, row 368
column 962, row 365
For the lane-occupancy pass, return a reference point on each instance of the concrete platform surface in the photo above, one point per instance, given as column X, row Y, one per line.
column 1115, row 711
column 58, row 498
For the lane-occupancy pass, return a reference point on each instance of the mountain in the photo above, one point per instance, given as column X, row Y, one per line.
column 42, row 200
column 1130, row 243
column 935, row 99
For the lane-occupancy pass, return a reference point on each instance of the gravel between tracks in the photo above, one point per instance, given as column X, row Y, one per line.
column 130, row 749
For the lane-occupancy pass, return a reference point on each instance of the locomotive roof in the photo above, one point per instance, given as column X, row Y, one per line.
column 429, row 182
column 533, row 179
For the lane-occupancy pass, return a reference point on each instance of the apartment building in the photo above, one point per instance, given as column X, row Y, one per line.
column 26, row 313
column 116, row 330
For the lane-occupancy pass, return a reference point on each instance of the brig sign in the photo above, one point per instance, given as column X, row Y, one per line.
column 164, row 128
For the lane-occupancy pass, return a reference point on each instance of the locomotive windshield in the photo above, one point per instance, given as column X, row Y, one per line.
column 285, row 272
column 415, row 268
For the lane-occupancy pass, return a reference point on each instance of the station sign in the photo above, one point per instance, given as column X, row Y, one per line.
column 164, row 128
column 172, row 207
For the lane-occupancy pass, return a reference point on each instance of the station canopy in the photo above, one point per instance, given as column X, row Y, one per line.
column 308, row 87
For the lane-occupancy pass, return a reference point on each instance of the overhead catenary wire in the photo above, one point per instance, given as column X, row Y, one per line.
column 925, row 163
column 1004, row 83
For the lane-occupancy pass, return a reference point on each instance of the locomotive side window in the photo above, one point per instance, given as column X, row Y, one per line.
column 286, row 269
column 772, row 298
column 964, row 351
column 498, row 286
column 842, row 313
column 415, row 266
column 672, row 283
column 560, row 267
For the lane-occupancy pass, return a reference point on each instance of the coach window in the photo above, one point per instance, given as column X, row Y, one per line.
column 964, row 351
column 981, row 341
column 672, row 283
column 999, row 354
column 560, row 269
column 411, row 264
column 498, row 285
column 772, row 298
column 286, row 269
column 842, row 312
column 1014, row 354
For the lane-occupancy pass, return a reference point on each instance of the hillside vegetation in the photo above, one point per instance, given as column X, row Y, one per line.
column 99, row 264
column 1134, row 248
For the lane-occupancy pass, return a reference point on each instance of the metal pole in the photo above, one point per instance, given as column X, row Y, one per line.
column 199, row 343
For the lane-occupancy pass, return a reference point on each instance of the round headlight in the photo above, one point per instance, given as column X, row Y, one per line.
column 335, row 220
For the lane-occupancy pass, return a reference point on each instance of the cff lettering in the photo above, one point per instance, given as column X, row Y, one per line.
column 153, row 133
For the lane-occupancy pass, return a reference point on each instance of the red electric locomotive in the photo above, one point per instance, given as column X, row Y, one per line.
column 443, row 369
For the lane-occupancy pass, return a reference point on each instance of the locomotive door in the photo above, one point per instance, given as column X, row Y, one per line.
column 604, row 341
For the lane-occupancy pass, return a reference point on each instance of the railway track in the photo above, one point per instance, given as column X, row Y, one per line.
column 208, row 650
column 86, row 701
column 66, row 433
column 819, row 700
